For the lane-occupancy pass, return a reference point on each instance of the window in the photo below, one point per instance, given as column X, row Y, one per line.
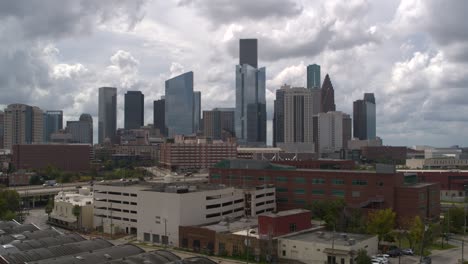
column 213, row 206
column 221, row 247
column 281, row 189
column 299, row 201
column 284, row 253
column 281, row 179
column 318, row 192
column 299, row 191
column 264, row 178
column 282, row 200
column 338, row 181
column 146, row 237
column 318, row 181
column 359, row 182
column 356, row 194
column 215, row 176
column 299, row 180
column 165, row 240
column 292, row 227
column 339, row 193
column 156, row 239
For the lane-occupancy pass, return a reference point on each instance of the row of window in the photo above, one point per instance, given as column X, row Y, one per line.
column 211, row 206
column 117, row 218
column 340, row 193
column 117, row 193
column 299, row 180
column 156, row 238
column 225, row 212
column 117, row 210
column 116, row 202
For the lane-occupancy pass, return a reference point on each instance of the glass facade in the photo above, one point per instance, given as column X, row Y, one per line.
column 82, row 130
column 364, row 117
column 196, row 111
column 134, row 110
column 313, row 76
column 107, row 116
column 179, row 105
column 250, row 119
column 53, row 122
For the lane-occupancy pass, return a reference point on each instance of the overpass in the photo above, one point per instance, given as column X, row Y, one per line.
column 31, row 194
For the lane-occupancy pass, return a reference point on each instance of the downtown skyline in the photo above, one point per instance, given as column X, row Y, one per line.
column 415, row 67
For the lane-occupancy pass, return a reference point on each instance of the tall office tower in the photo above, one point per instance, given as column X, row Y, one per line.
column 278, row 115
column 23, row 124
column 53, row 122
column 347, row 130
column 134, row 110
column 196, row 112
column 2, row 116
column 250, row 122
column 107, row 116
column 159, row 111
column 328, row 96
column 219, row 123
column 331, row 129
column 81, row 130
column 298, row 115
column 364, row 116
column 248, row 52
column 313, row 76
column 179, row 105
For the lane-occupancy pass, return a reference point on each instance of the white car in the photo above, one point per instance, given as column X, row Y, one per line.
column 383, row 256
column 380, row 260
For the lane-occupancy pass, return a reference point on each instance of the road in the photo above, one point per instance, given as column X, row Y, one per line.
column 36, row 187
column 450, row 256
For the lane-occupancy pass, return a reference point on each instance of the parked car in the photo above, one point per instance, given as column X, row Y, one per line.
column 394, row 253
column 407, row 251
column 381, row 260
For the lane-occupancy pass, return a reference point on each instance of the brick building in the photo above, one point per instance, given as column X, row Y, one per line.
column 75, row 157
column 319, row 164
column 284, row 222
column 195, row 154
column 298, row 188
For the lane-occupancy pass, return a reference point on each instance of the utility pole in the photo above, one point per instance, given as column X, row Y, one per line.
column 422, row 244
column 165, row 233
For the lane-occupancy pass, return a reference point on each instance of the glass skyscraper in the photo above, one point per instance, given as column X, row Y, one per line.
column 196, row 111
column 159, row 116
column 107, row 114
column 313, row 76
column 134, row 110
column 179, row 105
column 53, row 122
column 364, row 117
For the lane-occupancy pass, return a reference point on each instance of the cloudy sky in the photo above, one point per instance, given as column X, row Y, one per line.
column 412, row 54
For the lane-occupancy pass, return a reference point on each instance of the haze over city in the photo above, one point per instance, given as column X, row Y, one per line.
column 410, row 55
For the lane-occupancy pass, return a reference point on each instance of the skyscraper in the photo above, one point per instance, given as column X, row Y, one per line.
column 107, row 116
column 196, row 112
column 179, row 105
column 134, row 110
column 248, row 52
column 313, row 76
column 333, row 128
column 23, row 124
column 219, row 123
column 53, row 122
column 250, row 122
column 364, row 116
column 278, row 115
column 81, row 130
column 2, row 116
column 328, row 96
column 159, row 116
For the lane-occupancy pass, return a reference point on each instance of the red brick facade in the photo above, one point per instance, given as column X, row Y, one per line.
column 74, row 158
column 273, row 225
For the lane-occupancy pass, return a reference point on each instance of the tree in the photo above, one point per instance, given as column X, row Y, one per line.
column 76, row 211
column 362, row 257
column 49, row 207
column 9, row 204
column 454, row 220
column 330, row 211
column 381, row 222
column 415, row 232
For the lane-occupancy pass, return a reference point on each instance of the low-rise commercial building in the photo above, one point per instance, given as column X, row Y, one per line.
column 325, row 247
column 73, row 157
column 62, row 215
column 298, row 188
column 384, row 154
column 437, row 163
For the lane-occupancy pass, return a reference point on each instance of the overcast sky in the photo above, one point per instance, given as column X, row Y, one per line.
column 413, row 55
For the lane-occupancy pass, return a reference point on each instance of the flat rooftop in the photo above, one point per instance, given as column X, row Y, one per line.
column 327, row 237
column 286, row 213
column 233, row 226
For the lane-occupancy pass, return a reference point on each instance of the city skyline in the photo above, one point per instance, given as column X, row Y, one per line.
column 407, row 53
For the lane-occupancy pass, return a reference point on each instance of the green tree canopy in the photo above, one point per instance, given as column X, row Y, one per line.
column 381, row 222
column 362, row 257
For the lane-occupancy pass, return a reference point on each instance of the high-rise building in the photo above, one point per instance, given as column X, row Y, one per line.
column 159, row 111
column 81, row 130
column 179, row 105
column 134, row 110
column 250, row 122
column 248, row 52
column 107, row 116
column 196, row 112
column 328, row 96
column 278, row 116
column 333, row 129
column 2, row 116
column 53, row 122
column 23, row 124
column 219, row 123
column 313, row 76
column 364, row 116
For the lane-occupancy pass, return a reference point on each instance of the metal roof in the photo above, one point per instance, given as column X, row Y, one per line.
column 7, row 230
column 194, row 260
column 56, row 251
column 153, row 257
column 8, row 224
column 5, row 239
column 46, row 242
column 97, row 256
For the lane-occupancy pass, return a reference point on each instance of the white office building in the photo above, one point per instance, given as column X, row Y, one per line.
column 331, row 129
